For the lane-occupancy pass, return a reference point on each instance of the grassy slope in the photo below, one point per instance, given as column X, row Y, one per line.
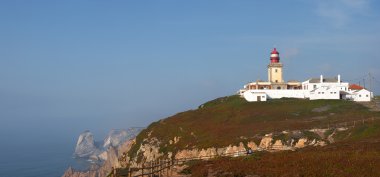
column 357, row 154
column 223, row 121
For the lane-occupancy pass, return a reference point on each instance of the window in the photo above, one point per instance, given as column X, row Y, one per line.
column 315, row 86
column 334, row 92
column 263, row 96
column 275, row 70
column 278, row 88
column 360, row 95
column 319, row 92
column 366, row 95
column 323, row 92
column 276, row 81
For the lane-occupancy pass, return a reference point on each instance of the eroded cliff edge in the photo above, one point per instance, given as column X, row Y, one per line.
column 230, row 124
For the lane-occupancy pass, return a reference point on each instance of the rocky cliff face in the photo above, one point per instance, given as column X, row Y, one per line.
column 267, row 143
column 276, row 141
column 115, row 144
column 151, row 149
column 116, row 136
column 228, row 125
column 113, row 156
column 86, row 145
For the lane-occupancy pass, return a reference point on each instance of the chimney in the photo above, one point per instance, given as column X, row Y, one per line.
column 338, row 78
column 321, row 79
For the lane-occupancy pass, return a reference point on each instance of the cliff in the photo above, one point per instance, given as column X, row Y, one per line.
column 113, row 154
column 107, row 153
column 86, row 145
column 230, row 124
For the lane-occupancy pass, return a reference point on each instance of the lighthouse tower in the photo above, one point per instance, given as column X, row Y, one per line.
column 275, row 69
column 274, row 56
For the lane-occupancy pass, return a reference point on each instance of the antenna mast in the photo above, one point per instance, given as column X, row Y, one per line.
column 370, row 81
column 364, row 82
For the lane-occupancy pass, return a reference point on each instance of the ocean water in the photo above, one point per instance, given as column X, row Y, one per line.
column 37, row 152
column 40, row 159
column 42, row 147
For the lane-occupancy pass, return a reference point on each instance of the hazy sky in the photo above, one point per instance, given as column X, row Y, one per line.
column 68, row 66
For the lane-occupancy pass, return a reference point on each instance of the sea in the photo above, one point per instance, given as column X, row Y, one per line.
column 33, row 154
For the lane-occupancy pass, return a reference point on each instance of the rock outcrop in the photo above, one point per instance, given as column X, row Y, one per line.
column 252, row 145
column 150, row 150
column 266, row 142
column 301, row 143
column 115, row 138
column 70, row 172
column 113, row 154
column 107, row 154
column 118, row 136
column 278, row 145
column 86, row 145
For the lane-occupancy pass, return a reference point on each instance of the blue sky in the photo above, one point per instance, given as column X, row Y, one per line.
column 68, row 66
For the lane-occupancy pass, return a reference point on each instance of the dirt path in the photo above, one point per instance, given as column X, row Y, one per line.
column 374, row 105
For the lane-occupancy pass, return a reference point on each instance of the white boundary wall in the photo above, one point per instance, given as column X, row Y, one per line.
column 252, row 96
column 325, row 94
column 275, row 94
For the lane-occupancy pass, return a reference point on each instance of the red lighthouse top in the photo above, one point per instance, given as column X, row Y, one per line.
column 274, row 56
column 274, row 51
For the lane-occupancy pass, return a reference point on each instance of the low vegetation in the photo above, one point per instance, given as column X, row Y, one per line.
column 233, row 120
column 356, row 154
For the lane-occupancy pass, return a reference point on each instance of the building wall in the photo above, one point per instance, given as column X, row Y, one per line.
column 275, row 94
column 339, row 86
column 343, row 86
column 252, row 97
column 275, row 73
column 362, row 95
column 279, row 86
column 325, row 89
column 325, row 94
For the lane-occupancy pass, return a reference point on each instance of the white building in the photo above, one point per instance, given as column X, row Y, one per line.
column 314, row 83
column 255, row 96
column 361, row 95
column 358, row 93
column 325, row 88
column 325, row 93
column 314, row 88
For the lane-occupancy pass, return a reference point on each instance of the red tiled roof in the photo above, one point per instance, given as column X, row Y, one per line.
column 355, row 87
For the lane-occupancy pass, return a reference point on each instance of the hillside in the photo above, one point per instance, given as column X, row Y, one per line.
column 357, row 153
column 230, row 120
column 289, row 137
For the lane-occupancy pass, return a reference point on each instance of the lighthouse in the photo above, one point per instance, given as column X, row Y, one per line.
column 275, row 71
column 274, row 56
column 275, row 81
column 313, row 89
